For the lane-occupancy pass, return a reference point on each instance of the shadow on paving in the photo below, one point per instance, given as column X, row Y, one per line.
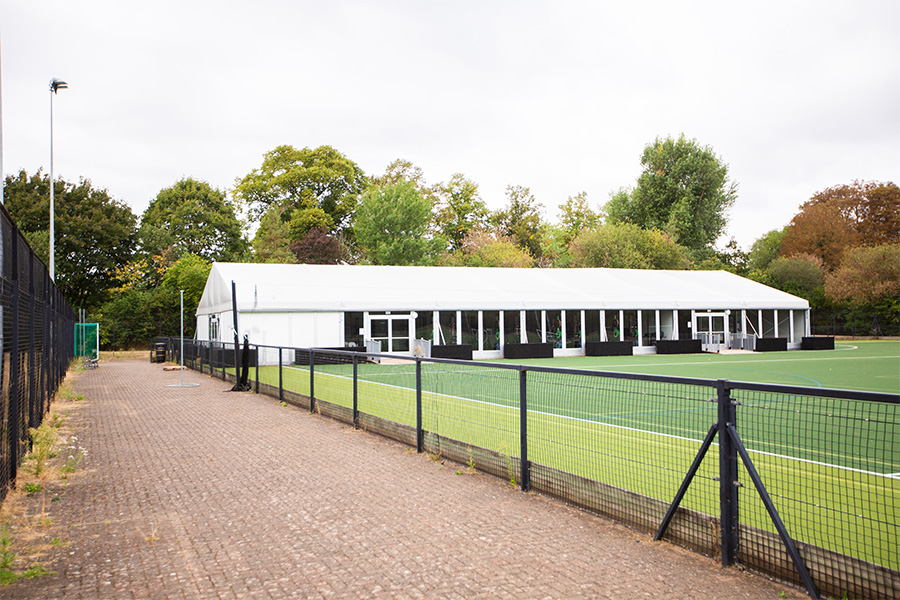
column 204, row 493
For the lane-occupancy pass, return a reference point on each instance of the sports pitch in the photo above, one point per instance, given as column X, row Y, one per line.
column 843, row 456
column 872, row 366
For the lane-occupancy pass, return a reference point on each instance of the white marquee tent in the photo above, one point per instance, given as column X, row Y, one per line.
column 338, row 305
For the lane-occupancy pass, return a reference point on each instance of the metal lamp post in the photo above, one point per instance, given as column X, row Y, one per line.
column 55, row 86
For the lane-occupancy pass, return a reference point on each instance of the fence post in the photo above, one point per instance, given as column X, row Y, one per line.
column 728, row 475
column 355, row 398
column 280, row 380
column 312, row 382
column 420, row 435
column 13, row 434
column 256, row 368
column 524, row 464
column 224, row 363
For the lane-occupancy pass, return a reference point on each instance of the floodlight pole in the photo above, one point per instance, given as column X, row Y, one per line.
column 55, row 85
column 181, row 353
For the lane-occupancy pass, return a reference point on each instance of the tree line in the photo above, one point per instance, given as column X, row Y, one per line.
column 315, row 205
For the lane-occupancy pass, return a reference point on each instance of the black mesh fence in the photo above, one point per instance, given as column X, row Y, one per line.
column 37, row 340
column 799, row 483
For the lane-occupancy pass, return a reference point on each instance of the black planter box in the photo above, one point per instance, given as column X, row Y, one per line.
column 817, row 343
column 528, row 351
column 608, row 349
column 679, row 346
column 778, row 344
column 454, row 351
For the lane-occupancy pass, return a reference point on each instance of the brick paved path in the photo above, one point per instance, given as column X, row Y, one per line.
column 199, row 493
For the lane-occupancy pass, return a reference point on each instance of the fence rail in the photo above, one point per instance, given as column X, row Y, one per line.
column 37, row 338
column 799, row 483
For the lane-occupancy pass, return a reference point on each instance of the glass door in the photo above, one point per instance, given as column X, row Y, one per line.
column 711, row 329
column 393, row 331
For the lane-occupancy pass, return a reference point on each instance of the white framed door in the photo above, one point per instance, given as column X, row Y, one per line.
column 394, row 331
column 712, row 330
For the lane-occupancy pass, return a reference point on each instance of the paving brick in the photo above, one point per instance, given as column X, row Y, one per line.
column 204, row 493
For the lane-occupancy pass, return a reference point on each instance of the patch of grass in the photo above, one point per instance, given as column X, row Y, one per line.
column 43, row 442
column 31, row 488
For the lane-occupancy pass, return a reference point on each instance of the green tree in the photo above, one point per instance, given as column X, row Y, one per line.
column 95, row 234
column 482, row 248
column 766, row 249
column 683, row 190
column 320, row 184
column 135, row 314
column 576, row 216
column 272, row 241
column 392, row 226
column 521, row 220
column 192, row 217
column 802, row 275
column 627, row 246
column 459, row 210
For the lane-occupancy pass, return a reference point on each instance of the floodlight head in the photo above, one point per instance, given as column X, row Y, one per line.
column 58, row 84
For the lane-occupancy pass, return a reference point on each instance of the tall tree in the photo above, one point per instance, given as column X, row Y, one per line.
column 459, row 209
column 392, row 226
column 684, row 190
column 192, row 217
column 315, row 187
column 95, row 234
column 521, row 220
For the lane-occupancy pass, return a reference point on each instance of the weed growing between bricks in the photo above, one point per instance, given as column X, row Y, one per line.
column 30, row 537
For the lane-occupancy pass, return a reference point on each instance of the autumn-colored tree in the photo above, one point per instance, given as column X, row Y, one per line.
column 842, row 217
column 866, row 275
column 316, row 247
column 483, row 248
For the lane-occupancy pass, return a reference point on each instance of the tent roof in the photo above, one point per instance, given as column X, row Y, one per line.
column 325, row 288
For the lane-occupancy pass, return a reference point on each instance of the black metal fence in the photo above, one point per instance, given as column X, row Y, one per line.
column 858, row 322
column 799, row 483
column 37, row 336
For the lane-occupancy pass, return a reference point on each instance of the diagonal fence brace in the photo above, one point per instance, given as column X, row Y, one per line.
column 695, row 466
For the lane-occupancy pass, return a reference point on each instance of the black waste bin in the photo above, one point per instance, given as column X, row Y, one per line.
column 158, row 354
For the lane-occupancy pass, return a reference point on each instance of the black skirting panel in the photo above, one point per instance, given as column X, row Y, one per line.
column 528, row 351
column 679, row 346
column 817, row 343
column 608, row 348
column 454, row 351
column 778, row 344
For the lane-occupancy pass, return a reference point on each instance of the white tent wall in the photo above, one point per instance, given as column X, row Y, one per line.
column 306, row 305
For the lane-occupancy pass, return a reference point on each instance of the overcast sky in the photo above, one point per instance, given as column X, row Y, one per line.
column 557, row 96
